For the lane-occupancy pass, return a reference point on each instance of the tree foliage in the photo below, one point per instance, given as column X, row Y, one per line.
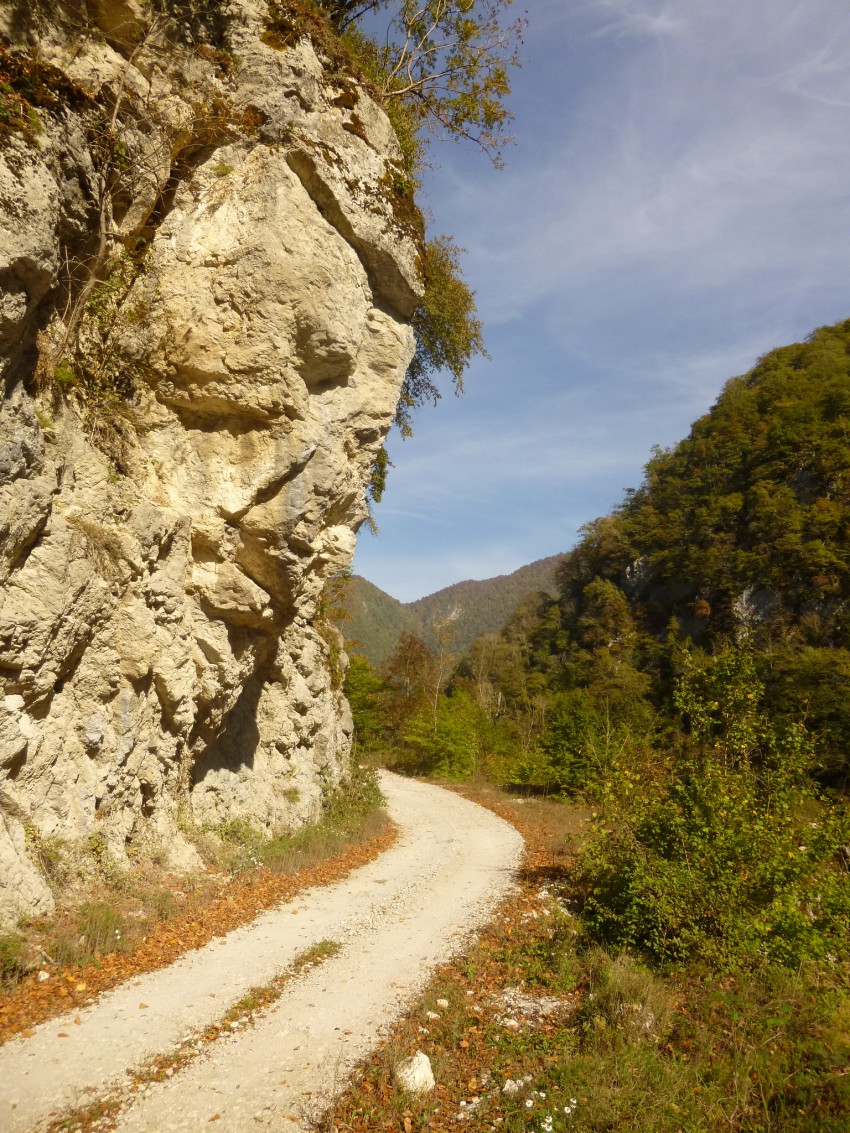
column 448, row 60
column 732, row 862
column 446, row 327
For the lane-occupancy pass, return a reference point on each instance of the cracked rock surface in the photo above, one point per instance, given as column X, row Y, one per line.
column 162, row 563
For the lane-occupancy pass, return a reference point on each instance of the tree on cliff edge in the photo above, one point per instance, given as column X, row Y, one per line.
column 449, row 61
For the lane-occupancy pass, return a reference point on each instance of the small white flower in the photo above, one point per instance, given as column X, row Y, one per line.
column 528, row 1103
column 573, row 1101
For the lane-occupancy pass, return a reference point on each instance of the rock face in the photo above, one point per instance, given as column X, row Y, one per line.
column 204, row 324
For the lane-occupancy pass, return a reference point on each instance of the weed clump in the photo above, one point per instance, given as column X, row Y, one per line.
column 102, row 929
column 350, row 814
column 13, row 966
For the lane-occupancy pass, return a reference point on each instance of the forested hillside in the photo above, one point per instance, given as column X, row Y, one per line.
column 373, row 621
column 475, row 607
column 691, row 678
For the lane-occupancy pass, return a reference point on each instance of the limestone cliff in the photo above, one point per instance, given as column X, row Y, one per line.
column 205, row 298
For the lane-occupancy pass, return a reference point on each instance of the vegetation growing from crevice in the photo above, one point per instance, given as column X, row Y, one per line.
column 100, row 361
column 29, row 84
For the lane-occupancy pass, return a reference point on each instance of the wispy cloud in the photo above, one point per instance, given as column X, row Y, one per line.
column 676, row 205
column 623, row 18
column 712, row 167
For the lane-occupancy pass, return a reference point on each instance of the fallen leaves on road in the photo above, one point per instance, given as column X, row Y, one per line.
column 200, row 920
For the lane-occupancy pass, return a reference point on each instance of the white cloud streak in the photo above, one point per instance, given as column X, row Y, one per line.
column 676, row 205
column 714, row 165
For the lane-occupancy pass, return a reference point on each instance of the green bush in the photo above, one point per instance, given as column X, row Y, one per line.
column 734, row 861
column 445, row 743
column 12, row 964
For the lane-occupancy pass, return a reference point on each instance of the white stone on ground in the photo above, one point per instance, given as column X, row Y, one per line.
column 415, row 1075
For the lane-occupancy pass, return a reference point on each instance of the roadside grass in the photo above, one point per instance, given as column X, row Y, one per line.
column 110, row 924
column 12, row 959
column 350, row 816
column 537, row 1028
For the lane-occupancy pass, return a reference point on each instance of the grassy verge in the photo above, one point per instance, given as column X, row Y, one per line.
column 537, row 1028
column 110, row 925
column 354, row 814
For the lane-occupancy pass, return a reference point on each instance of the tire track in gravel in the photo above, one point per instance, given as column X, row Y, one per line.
column 395, row 919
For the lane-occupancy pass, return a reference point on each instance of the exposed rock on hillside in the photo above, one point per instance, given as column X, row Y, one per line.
column 204, row 305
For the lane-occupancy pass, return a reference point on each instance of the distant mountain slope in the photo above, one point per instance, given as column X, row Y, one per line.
column 484, row 607
column 376, row 620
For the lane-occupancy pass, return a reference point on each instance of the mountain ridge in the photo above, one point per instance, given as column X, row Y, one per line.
column 374, row 621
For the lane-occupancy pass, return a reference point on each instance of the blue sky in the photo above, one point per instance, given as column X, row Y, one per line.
column 677, row 203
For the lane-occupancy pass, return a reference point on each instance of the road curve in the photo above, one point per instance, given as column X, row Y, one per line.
column 395, row 919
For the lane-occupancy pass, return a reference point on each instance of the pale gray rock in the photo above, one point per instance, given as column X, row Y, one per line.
column 415, row 1075
column 23, row 891
column 29, row 242
column 161, row 573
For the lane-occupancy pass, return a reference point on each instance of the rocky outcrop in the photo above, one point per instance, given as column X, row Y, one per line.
column 204, row 325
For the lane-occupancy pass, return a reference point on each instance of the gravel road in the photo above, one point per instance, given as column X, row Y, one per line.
column 395, row 920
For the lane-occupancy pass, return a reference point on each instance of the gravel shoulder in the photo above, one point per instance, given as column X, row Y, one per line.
column 395, row 920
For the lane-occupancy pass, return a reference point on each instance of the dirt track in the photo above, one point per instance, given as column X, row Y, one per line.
column 395, row 919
